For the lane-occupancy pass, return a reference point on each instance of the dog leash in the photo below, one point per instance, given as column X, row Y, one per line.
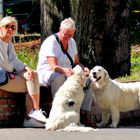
column 72, row 63
column 65, row 52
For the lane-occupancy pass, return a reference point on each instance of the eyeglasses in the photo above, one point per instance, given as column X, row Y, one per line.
column 68, row 35
column 13, row 27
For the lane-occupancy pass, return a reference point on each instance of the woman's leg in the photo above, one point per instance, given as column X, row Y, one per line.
column 56, row 83
column 33, row 90
column 88, row 98
column 29, row 104
column 85, row 113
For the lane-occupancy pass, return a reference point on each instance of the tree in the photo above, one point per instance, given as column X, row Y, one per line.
column 135, row 22
column 102, row 30
column 52, row 12
column 103, row 35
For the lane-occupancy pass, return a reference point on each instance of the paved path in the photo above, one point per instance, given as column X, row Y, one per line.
column 132, row 133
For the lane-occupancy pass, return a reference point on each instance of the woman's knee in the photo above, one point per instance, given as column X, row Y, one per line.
column 58, row 81
column 88, row 93
column 33, row 85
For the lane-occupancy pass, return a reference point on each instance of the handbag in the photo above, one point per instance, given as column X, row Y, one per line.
column 3, row 77
column 71, row 61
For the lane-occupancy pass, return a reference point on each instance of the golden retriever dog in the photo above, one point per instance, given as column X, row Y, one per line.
column 112, row 96
column 65, row 111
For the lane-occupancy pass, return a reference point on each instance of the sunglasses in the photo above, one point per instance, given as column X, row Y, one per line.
column 13, row 27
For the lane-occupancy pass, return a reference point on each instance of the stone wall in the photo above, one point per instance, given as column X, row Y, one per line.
column 12, row 109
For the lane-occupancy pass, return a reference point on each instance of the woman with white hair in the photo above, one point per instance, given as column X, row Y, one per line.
column 57, row 56
column 21, row 78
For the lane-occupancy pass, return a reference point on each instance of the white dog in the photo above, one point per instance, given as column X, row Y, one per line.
column 65, row 111
column 113, row 97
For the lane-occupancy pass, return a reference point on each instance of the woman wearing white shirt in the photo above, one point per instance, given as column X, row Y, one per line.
column 54, row 66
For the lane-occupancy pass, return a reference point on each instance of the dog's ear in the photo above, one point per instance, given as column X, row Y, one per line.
column 106, row 75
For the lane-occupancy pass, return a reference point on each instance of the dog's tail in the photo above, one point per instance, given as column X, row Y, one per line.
column 76, row 128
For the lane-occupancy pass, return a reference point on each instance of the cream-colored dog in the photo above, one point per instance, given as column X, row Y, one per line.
column 113, row 97
column 65, row 111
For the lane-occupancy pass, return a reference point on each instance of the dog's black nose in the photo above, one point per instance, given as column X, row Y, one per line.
column 94, row 73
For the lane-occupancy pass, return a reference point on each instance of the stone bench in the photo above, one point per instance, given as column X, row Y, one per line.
column 12, row 109
column 12, row 106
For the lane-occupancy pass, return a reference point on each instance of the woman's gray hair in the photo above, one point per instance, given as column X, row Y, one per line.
column 68, row 23
column 7, row 20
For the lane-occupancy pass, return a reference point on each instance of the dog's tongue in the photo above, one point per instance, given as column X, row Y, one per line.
column 94, row 79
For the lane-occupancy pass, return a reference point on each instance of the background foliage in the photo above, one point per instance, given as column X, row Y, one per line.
column 134, row 22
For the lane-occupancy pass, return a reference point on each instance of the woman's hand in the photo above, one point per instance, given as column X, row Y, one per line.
column 68, row 71
column 86, row 71
column 30, row 74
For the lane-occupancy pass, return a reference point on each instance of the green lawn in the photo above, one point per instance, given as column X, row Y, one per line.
column 135, row 68
column 29, row 56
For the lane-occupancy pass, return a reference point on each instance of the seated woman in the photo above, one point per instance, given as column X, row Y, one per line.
column 57, row 56
column 21, row 77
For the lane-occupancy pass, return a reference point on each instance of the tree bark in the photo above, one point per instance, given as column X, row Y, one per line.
column 52, row 12
column 103, row 35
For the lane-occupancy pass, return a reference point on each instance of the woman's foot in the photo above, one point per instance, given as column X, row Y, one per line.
column 38, row 115
column 33, row 123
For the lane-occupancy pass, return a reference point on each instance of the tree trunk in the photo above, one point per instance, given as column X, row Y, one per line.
column 103, row 35
column 52, row 12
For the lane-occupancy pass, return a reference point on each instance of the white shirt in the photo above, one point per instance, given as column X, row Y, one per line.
column 51, row 47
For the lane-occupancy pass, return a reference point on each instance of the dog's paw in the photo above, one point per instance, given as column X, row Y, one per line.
column 112, row 125
column 101, row 125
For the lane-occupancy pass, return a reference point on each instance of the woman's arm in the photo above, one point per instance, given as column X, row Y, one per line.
column 55, row 67
column 86, row 70
column 14, row 61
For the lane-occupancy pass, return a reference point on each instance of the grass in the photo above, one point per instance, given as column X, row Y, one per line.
column 135, row 68
column 29, row 58
column 28, row 53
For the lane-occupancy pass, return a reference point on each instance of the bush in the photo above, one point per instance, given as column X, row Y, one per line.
column 27, row 52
